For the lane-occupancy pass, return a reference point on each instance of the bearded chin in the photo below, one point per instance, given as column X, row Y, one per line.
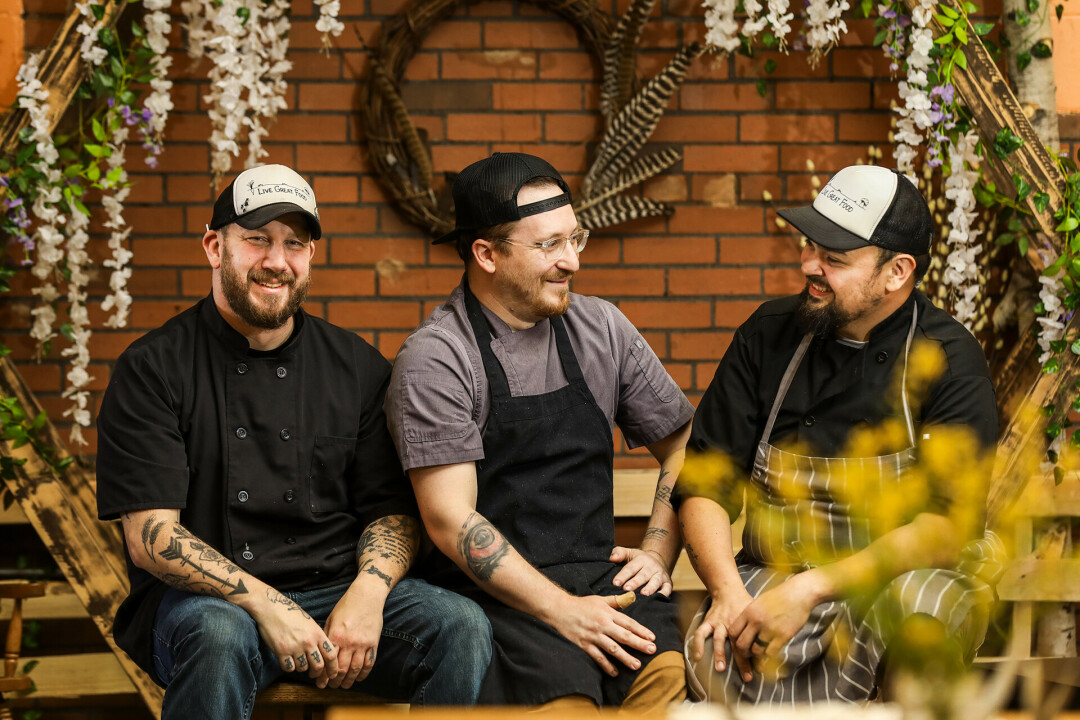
column 263, row 317
column 818, row 319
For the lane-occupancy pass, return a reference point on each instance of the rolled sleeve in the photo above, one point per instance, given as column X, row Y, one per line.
column 431, row 405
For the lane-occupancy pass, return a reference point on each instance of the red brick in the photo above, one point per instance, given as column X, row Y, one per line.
column 669, row 250
column 602, row 250
column 770, row 250
column 702, row 219
column 374, row 314
column 823, row 95
column 699, row 345
column 784, row 282
column 788, row 65
column 370, row 250
column 145, row 189
column 703, row 374
column 189, row 188
column 328, row 158
column 16, row 314
column 827, row 159
column 787, row 128
column 108, row 344
column 491, row 8
column 885, row 94
column 860, row 33
column 423, row 66
column 667, row 314
column 733, row 313
column 154, row 219
column 301, row 127
column 715, row 281
column 555, row 35
column 740, row 97
column 39, row 32
column 658, row 341
column 314, row 65
column 561, row 127
column 302, row 34
column 182, row 158
column 863, row 127
column 371, row 191
column 387, row 7
column 730, row 158
column 567, row 159
column 695, row 129
column 150, row 314
column 326, row 96
column 862, row 63
column 40, row 377
column 152, row 281
column 751, row 187
column 493, row 128
column 453, row 158
column 609, row 283
column 187, row 127
column 494, row 64
column 194, row 283
column 348, row 221
column 681, row 373
column 455, row 33
column 568, row 66
column 537, row 96
column 390, row 342
column 336, row 189
column 342, row 283
column 421, row 282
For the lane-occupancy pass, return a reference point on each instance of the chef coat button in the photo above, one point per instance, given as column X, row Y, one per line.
column 247, row 555
column 290, row 540
column 282, row 372
column 290, row 496
column 242, row 496
column 808, row 421
column 241, row 432
column 882, row 356
column 284, row 434
column 640, row 345
column 241, row 368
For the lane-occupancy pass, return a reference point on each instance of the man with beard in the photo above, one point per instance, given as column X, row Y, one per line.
column 267, row 521
column 807, row 609
column 502, row 407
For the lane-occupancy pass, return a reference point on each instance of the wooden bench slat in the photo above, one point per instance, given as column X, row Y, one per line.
column 1035, row 580
column 298, row 694
column 74, row 676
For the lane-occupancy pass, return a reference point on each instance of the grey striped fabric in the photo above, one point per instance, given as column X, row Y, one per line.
column 805, row 511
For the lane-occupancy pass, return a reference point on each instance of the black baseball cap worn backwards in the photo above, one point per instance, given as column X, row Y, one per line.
column 485, row 193
column 265, row 193
column 866, row 205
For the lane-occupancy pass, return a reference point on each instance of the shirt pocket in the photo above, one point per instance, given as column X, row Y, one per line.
column 329, row 485
column 435, row 406
column 654, row 373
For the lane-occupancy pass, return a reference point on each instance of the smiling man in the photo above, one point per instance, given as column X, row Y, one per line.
column 267, row 521
column 502, row 406
column 807, row 609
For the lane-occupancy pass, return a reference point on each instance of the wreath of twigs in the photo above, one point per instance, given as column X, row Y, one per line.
column 403, row 166
column 396, row 152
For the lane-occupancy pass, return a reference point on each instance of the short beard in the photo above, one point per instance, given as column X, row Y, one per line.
column 820, row 321
column 236, row 294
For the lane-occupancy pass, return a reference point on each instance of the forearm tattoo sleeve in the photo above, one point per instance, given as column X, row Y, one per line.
column 187, row 563
column 387, row 547
column 482, row 546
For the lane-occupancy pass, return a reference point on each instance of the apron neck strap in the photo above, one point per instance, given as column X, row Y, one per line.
column 903, row 379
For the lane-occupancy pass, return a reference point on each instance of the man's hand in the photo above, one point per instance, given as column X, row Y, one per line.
column 644, row 569
column 354, row 626
column 595, row 625
column 767, row 624
column 717, row 624
column 298, row 642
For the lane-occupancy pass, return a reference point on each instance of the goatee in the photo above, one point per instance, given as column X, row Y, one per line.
column 820, row 319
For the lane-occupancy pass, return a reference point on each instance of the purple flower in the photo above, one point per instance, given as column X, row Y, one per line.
column 946, row 92
column 147, row 113
column 151, row 161
column 936, row 116
column 935, row 162
column 890, row 14
column 112, row 102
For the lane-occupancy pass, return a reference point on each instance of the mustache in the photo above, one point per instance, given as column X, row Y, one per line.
column 557, row 275
column 818, row 280
column 264, row 277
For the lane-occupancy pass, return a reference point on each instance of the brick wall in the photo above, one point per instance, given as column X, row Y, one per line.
column 506, row 76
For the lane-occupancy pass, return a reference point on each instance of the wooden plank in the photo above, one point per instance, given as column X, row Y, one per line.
column 297, row 694
column 61, row 71
column 1035, row 580
column 59, row 603
column 634, row 492
column 75, row 676
column 13, row 516
column 63, row 511
column 1042, row 498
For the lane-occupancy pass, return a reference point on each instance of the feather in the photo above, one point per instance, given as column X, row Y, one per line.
column 639, row 171
column 619, row 209
column 620, row 58
column 634, row 124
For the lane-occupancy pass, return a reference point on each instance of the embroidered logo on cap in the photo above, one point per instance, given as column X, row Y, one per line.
column 267, row 193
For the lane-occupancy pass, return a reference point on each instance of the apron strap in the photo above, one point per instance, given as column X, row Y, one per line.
column 498, row 385
column 903, row 380
column 785, row 383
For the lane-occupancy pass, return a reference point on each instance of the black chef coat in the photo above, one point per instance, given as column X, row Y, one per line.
column 837, row 388
column 278, row 459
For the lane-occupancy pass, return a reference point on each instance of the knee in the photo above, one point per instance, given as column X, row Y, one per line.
column 467, row 628
column 218, row 630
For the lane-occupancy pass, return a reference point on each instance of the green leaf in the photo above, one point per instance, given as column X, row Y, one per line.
column 68, row 331
column 95, row 125
column 106, row 37
column 81, row 207
column 136, row 30
column 1042, row 201
column 984, row 196
column 1059, row 474
column 1075, row 350
column 93, row 172
column 770, row 66
column 867, row 6
column 961, row 33
column 25, row 134
column 1023, row 60
column 982, row 29
column 762, row 88
column 1022, row 18
column 1022, row 244
column 244, row 14
column 1070, row 224
column 768, row 39
column 1022, row 187
column 114, row 175
column 945, row 39
column 945, row 21
column 1052, row 366
column 39, row 421
column 1059, row 9
column 1006, row 142
column 98, row 10
column 97, row 151
column 1074, row 441
column 1055, row 266
column 1041, row 50
column 1003, row 239
column 116, row 67
column 960, row 58
column 1033, row 6
column 881, row 37
column 949, row 11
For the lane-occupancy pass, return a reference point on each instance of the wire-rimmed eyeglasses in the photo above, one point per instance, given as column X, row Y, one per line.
column 553, row 248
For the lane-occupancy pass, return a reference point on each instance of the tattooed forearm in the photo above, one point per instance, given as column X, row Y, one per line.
column 278, row 599
column 664, row 488
column 369, row 568
column 391, row 540
column 692, row 554
column 150, row 531
column 190, row 564
column 482, row 546
column 654, row 534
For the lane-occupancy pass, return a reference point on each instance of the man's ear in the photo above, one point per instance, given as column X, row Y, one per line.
column 213, row 245
column 900, row 270
column 483, row 252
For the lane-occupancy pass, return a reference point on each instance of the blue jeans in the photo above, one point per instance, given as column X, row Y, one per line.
column 435, row 649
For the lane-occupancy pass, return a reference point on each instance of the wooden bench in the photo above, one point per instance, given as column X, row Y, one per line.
column 100, row 674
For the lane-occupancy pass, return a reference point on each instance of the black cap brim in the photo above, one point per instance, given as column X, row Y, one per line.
column 261, row 216
column 820, row 229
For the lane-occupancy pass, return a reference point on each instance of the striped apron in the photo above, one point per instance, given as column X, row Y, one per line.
column 799, row 514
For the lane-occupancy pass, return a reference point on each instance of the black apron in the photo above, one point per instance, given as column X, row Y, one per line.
column 546, row 483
